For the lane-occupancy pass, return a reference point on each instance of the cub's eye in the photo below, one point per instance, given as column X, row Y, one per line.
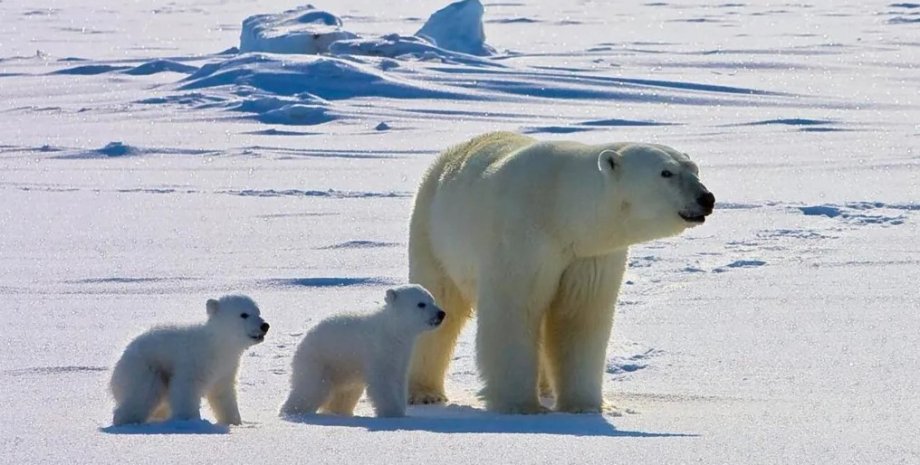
column 244, row 315
column 422, row 305
column 666, row 174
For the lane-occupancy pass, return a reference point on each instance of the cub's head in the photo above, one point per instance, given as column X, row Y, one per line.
column 238, row 319
column 658, row 189
column 415, row 305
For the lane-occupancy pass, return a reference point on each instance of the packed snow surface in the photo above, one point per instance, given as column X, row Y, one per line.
column 157, row 154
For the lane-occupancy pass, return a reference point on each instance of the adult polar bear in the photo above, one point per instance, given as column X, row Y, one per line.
column 534, row 235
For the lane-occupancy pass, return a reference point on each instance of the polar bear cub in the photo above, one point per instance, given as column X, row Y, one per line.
column 165, row 371
column 343, row 354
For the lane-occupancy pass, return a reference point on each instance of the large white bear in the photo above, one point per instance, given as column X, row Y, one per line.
column 534, row 236
column 164, row 372
column 341, row 355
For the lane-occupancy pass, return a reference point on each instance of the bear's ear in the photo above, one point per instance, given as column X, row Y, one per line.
column 391, row 296
column 608, row 161
column 212, row 306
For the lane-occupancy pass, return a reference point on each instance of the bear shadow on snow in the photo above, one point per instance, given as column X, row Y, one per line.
column 169, row 427
column 465, row 419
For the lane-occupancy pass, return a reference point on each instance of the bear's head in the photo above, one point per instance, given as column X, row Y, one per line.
column 654, row 191
column 237, row 320
column 416, row 306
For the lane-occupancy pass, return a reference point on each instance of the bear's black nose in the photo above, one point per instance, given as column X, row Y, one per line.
column 264, row 327
column 707, row 201
column 441, row 314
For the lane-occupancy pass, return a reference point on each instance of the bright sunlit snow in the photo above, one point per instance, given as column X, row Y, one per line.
column 156, row 154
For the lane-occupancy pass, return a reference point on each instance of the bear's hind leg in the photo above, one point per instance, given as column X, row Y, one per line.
column 434, row 349
column 161, row 412
column 545, row 384
column 343, row 399
column 310, row 389
column 137, row 389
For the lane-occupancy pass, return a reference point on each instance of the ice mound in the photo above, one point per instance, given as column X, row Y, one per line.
column 452, row 33
column 326, row 77
column 458, row 27
column 301, row 30
column 117, row 149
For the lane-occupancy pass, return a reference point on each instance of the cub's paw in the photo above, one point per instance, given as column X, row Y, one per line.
column 426, row 397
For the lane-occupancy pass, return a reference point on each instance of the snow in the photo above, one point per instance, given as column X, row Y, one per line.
column 397, row 46
column 149, row 161
column 316, row 76
column 160, row 66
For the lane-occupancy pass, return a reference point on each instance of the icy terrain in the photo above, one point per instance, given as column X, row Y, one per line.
column 146, row 164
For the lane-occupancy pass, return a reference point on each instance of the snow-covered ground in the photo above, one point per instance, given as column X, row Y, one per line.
column 146, row 165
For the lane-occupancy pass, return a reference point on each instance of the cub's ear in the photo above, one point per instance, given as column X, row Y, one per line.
column 608, row 161
column 212, row 306
column 391, row 296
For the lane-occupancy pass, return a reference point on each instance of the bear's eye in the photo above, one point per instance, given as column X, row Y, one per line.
column 244, row 315
column 421, row 305
column 666, row 174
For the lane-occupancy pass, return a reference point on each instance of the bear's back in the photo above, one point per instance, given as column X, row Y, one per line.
column 339, row 337
column 474, row 158
column 166, row 344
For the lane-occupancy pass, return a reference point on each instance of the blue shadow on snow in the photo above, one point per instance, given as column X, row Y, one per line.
column 330, row 282
column 464, row 419
column 169, row 427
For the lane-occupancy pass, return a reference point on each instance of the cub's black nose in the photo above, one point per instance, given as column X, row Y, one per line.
column 264, row 327
column 441, row 315
column 707, row 201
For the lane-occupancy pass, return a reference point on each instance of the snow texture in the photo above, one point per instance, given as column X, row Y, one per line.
column 150, row 159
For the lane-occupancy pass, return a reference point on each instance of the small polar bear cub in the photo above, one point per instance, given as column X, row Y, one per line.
column 165, row 371
column 343, row 354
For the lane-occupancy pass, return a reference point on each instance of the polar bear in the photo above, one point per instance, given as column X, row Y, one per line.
column 166, row 371
column 343, row 354
column 534, row 236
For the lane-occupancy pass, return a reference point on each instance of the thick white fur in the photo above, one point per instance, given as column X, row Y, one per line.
column 534, row 235
column 164, row 372
column 343, row 354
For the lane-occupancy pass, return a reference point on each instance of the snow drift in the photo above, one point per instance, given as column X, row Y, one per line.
column 301, row 30
column 326, row 77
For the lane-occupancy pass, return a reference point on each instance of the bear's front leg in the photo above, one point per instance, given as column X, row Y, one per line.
column 387, row 390
column 578, row 329
column 185, row 390
column 510, row 310
column 222, row 399
column 578, row 348
column 506, row 353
